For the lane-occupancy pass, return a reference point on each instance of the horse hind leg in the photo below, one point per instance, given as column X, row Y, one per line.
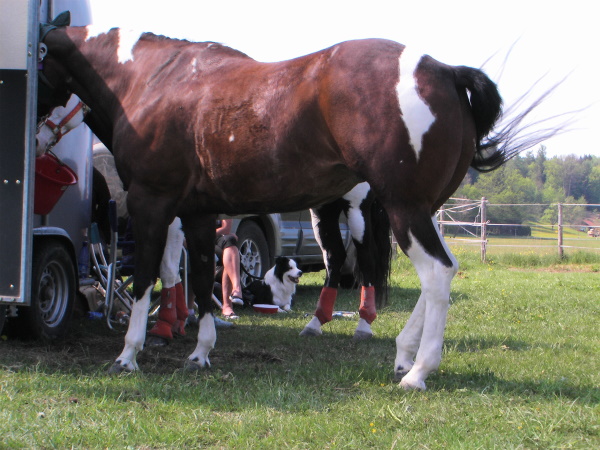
column 327, row 233
column 423, row 335
column 358, row 212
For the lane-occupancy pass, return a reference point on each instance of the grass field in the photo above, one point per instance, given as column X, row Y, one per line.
column 520, row 370
column 543, row 241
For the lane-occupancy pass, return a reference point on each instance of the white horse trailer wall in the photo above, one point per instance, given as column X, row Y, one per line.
column 18, row 93
column 38, row 254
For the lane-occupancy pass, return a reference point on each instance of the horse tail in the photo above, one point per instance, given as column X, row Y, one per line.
column 380, row 224
column 494, row 146
column 486, row 105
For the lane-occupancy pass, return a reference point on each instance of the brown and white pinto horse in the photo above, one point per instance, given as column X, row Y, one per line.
column 367, row 220
column 191, row 124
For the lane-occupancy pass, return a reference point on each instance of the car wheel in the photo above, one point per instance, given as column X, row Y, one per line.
column 254, row 252
column 52, row 292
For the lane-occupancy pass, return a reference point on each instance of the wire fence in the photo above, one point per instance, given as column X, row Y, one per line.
column 563, row 226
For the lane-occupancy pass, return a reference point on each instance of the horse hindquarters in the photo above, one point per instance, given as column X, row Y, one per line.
column 422, row 337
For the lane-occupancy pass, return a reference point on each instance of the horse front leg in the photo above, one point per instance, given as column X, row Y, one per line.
column 136, row 332
column 423, row 336
column 150, row 232
column 200, row 237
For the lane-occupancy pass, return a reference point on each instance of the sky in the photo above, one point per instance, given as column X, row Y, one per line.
column 525, row 46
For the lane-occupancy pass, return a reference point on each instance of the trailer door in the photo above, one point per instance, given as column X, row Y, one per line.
column 18, row 91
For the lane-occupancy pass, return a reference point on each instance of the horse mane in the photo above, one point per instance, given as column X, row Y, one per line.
column 214, row 46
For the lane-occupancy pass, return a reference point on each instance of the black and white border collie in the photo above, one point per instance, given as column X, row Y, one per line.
column 279, row 284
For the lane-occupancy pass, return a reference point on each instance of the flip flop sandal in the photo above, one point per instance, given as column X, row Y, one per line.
column 236, row 300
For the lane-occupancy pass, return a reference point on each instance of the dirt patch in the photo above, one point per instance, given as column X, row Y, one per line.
column 89, row 346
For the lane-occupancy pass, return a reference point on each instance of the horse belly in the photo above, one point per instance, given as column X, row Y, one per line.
column 262, row 186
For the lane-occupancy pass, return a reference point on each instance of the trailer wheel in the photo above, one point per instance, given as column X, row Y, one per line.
column 52, row 291
column 2, row 317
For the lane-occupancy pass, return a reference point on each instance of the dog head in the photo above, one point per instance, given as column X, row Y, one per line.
column 286, row 270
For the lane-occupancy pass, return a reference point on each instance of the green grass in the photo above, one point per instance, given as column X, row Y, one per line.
column 520, row 370
column 577, row 246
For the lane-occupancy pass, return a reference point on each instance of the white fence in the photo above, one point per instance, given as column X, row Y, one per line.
column 469, row 218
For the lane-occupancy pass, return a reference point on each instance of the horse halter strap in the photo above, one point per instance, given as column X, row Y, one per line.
column 57, row 128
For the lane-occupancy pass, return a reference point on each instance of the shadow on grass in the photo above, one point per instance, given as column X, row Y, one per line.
column 489, row 383
column 262, row 360
column 399, row 299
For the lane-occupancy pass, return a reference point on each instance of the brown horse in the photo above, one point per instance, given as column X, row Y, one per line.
column 191, row 124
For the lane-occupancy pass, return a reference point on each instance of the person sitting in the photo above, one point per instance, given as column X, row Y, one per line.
column 226, row 242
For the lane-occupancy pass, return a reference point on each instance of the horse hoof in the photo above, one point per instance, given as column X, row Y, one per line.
column 408, row 385
column 195, row 366
column 399, row 374
column 117, row 369
column 156, row 341
column 310, row 332
column 361, row 335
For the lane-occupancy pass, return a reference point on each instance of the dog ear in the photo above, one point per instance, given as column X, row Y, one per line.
column 281, row 267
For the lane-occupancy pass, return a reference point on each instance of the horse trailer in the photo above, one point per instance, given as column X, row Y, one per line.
column 40, row 242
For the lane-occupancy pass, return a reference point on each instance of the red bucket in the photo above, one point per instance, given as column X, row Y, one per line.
column 52, row 178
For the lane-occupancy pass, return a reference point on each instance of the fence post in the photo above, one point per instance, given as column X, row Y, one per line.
column 560, row 231
column 483, row 230
column 442, row 220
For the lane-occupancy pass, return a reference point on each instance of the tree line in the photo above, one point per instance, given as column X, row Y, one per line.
column 536, row 179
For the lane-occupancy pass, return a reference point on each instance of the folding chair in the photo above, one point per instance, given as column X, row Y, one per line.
column 114, row 276
column 110, row 273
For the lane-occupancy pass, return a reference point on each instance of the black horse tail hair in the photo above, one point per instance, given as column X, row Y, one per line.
column 503, row 135
column 380, row 223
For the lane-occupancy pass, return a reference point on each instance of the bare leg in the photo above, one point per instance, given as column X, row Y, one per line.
column 226, row 290
column 231, row 263
column 231, row 283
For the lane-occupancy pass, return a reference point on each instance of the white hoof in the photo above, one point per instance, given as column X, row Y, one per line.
column 123, row 365
column 309, row 331
column 410, row 384
column 361, row 335
column 313, row 328
column 196, row 365
column 363, row 331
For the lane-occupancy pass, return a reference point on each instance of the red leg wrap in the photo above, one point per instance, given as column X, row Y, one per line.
column 182, row 310
column 167, row 314
column 367, row 308
column 324, row 310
